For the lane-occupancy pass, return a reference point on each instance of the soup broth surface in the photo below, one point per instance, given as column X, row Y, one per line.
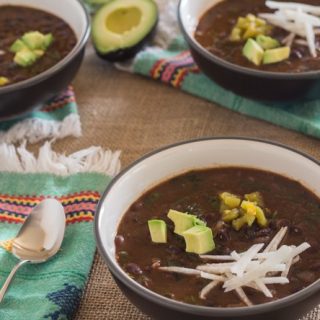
column 216, row 24
column 16, row 21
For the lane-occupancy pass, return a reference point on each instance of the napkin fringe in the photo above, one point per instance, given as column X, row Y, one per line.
column 92, row 159
column 35, row 129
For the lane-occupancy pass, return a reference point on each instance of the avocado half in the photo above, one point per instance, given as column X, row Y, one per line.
column 121, row 27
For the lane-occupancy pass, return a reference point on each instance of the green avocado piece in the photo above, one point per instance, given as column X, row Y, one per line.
column 39, row 53
column 25, row 58
column 34, row 40
column 183, row 221
column 120, row 27
column 199, row 239
column 276, row 55
column 17, row 46
column 158, row 231
column 266, row 42
column 47, row 40
column 253, row 52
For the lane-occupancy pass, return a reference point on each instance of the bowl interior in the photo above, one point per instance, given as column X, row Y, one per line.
column 190, row 13
column 70, row 11
column 200, row 154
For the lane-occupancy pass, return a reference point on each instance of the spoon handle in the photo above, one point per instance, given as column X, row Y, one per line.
column 10, row 277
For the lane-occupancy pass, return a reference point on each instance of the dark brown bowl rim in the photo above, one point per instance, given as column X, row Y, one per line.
column 58, row 66
column 184, row 307
column 237, row 68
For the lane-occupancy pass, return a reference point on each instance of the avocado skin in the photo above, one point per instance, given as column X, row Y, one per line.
column 130, row 52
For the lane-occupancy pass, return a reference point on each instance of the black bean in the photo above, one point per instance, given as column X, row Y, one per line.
column 123, row 256
column 225, row 250
column 282, row 223
column 133, row 268
column 296, row 229
column 306, row 276
column 119, row 240
column 263, row 232
column 265, row 239
column 224, row 234
column 222, row 231
column 136, row 206
column 174, row 250
column 315, row 266
column 296, row 53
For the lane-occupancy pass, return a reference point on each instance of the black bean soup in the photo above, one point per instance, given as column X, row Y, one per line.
column 216, row 24
column 287, row 203
column 17, row 20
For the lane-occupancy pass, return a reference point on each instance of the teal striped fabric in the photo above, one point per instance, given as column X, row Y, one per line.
column 175, row 67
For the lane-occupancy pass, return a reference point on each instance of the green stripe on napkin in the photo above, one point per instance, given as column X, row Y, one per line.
column 175, row 67
column 51, row 290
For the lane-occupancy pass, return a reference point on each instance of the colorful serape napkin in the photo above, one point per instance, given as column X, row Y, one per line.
column 50, row 290
column 168, row 60
column 57, row 119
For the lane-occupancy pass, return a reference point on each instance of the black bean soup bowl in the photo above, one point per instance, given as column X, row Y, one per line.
column 251, row 83
column 167, row 162
column 22, row 97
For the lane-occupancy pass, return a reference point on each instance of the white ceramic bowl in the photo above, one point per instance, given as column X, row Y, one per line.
column 170, row 161
column 248, row 82
column 21, row 97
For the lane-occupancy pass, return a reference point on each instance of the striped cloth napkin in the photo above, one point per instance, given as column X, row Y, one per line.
column 50, row 290
column 57, row 119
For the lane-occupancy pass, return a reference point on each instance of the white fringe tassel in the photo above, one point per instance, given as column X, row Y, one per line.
column 35, row 130
column 93, row 159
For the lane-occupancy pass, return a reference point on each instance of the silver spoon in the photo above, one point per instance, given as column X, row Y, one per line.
column 39, row 238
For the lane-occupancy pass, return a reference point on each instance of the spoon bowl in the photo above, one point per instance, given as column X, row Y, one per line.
column 39, row 238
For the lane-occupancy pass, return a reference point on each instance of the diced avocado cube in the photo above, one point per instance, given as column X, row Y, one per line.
column 229, row 215
column 47, row 40
column 253, row 52
column 39, row 53
column 255, row 197
column 261, row 218
column 276, row 55
column 183, row 221
column 34, row 40
column 4, row 81
column 158, row 231
column 25, row 58
column 266, row 42
column 230, row 200
column 199, row 239
column 17, row 46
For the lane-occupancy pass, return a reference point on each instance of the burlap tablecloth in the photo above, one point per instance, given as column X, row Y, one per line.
column 134, row 114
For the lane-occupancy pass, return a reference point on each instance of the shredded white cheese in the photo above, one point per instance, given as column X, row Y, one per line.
column 299, row 19
column 251, row 268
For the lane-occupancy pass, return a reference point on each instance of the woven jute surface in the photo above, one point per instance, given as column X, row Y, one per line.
column 136, row 115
